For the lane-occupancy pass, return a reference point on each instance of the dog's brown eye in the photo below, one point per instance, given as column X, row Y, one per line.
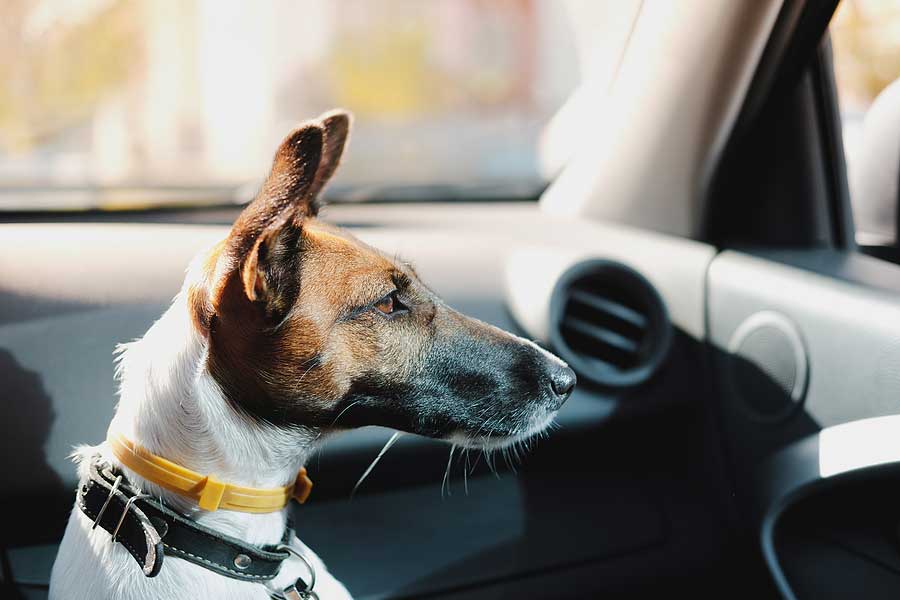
column 390, row 305
column 386, row 304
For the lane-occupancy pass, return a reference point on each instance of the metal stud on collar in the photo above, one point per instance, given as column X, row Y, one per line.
column 242, row 561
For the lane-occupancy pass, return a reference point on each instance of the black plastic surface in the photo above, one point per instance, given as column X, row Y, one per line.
column 843, row 542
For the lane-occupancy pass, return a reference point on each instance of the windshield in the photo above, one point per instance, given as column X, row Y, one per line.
column 115, row 103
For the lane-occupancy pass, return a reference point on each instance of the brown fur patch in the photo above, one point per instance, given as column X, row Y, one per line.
column 297, row 370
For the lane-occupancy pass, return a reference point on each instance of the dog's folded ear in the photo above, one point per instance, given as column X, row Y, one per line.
column 264, row 243
column 270, row 273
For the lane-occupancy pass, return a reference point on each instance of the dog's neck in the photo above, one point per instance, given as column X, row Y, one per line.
column 171, row 405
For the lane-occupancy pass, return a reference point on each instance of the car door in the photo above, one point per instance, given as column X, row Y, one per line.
column 803, row 334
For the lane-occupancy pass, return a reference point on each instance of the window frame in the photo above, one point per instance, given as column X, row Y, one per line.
column 793, row 84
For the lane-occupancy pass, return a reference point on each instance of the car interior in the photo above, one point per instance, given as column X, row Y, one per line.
column 735, row 429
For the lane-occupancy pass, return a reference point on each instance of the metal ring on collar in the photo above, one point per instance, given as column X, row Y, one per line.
column 128, row 504
column 109, row 497
column 312, row 572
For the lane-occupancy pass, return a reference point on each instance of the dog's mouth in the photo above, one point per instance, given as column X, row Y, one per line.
column 497, row 439
column 499, row 423
column 480, row 439
column 492, row 433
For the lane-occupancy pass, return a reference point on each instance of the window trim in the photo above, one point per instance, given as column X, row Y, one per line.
column 798, row 49
column 829, row 113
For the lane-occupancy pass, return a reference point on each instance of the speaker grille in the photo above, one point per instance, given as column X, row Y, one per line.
column 768, row 365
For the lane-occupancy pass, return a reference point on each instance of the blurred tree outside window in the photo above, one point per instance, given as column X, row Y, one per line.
column 865, row 38
column 190, row 97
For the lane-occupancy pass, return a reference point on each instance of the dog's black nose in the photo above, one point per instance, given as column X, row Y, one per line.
column 562, row 380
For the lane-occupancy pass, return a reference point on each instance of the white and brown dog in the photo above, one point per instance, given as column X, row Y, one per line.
column 276, row 331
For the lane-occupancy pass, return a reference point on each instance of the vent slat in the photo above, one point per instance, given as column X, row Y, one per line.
column 604, row 335
column 613, row 309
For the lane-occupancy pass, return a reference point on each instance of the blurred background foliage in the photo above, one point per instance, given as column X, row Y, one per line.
column 55, row 72
column 194, row 94
column 866, row 42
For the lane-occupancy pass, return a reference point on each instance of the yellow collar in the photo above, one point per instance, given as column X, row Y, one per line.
column 209, row 492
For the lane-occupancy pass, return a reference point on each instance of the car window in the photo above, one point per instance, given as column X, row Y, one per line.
column 106, row 99
column 866, row 48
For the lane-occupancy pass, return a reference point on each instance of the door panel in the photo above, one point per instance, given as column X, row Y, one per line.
column 844, row 308
column 839, row 434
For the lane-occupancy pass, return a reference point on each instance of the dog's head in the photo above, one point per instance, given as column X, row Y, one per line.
column 309, row 326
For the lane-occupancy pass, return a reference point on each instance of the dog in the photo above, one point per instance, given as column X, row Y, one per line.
column 279, row 330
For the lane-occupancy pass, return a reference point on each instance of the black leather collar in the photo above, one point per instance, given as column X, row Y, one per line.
column 149, row 530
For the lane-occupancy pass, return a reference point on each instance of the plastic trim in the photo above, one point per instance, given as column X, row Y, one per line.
column 796, row 472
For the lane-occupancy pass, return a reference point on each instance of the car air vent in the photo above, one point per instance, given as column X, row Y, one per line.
column 609, row 323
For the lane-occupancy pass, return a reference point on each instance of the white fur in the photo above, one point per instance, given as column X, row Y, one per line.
column 171, row 405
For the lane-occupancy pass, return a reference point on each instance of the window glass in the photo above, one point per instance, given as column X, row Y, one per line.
column 866, row 42
column 188, row 98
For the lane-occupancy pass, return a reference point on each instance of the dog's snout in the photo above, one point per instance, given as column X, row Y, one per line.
column 562, row 381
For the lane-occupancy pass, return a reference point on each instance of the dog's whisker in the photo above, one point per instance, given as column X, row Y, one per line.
column 446, row 480
column 306, row 372
column 489, row 459
column 387, row 447
column 475, row 463
column 507, row 458
column 346, row 408
column 465, row 471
